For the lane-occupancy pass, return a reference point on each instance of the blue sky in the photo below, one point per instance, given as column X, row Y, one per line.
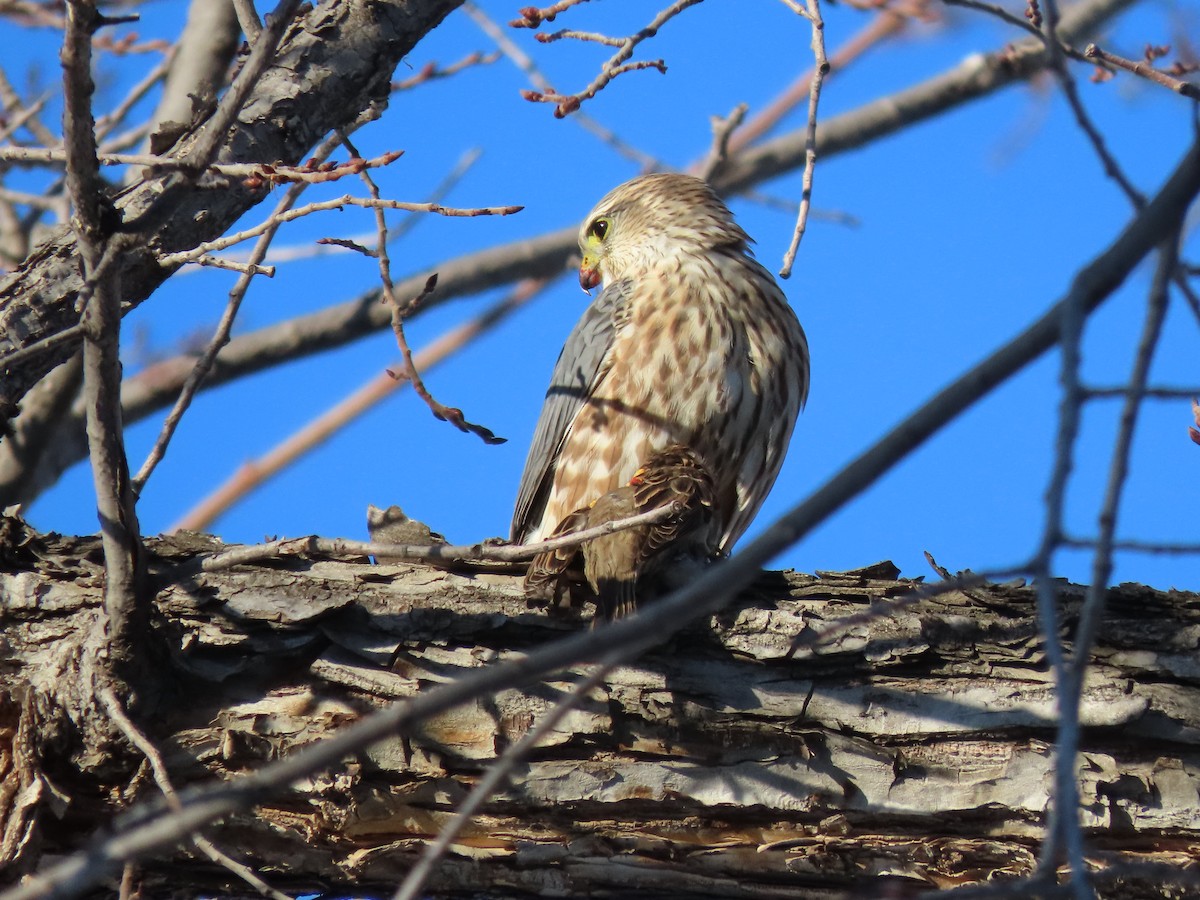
column 968, row 228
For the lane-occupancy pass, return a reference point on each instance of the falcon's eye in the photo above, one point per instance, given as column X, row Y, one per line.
column 598, row 229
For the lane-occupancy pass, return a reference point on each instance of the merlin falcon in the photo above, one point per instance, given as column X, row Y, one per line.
column 689, row 342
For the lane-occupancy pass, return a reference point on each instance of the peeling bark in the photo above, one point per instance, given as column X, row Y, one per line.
column 913, row 749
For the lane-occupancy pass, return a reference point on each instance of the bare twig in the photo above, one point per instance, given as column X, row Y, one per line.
column 66, row 336
column 889, row 22
column 201, row 153
column 440, row 411
column 1145, row 70
column 999, row 12
column 25, row 116
column 616, row 65
column 1150, row 393
column 1154, row 547
column 718, row 153
column 481, row 552
column 431, row 72
column 1093, row 607
column 1055, row 47
column 264, row 172
column 410, row 888
column 159, row 768
column 820, row 70
column 233, row 265
column 1064, row 833
column 342, row 202
column 325, row 246
column 248, row 18
column 795, row 7
column 532, row 17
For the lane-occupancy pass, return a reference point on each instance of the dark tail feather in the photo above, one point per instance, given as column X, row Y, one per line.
column 616, row 598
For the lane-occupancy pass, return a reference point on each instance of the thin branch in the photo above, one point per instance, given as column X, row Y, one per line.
column 1153, row 547
column 614, row 66
column 265, row 172
column 1150, row 393
column 328, row 247
column 247, row 17
column 262, row 53
column 481, row 552
column 431, row 72
column 1145, row 70
column 101, row 324
column 66, row 336
column 820, row 70
column 440, row 411
column 532, row 17
column 233, row 265
column 889, row 22
column 106, row 123
column 1093, row 607
column 1064, row 830
column 718, row 153
column 795, row 7
column 376, row 203
column 1055, row 47
column 513, row 756
column 159, row 769
column 999, row 12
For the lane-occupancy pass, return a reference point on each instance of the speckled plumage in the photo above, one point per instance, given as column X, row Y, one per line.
column 690, row 341
column 616, row 566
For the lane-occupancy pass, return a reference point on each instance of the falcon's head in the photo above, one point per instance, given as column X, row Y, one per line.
column 652, row 219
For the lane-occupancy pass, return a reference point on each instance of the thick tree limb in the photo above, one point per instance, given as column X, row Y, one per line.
column 909, row 749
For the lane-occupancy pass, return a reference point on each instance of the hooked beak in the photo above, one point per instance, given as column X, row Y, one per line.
column 588, row 278
column 589, row 273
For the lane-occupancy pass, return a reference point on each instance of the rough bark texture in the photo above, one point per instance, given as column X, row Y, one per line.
column 335, row 62
column 913, row 749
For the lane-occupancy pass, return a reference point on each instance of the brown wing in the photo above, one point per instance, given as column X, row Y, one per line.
column 674, row 475
column 551, row 573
